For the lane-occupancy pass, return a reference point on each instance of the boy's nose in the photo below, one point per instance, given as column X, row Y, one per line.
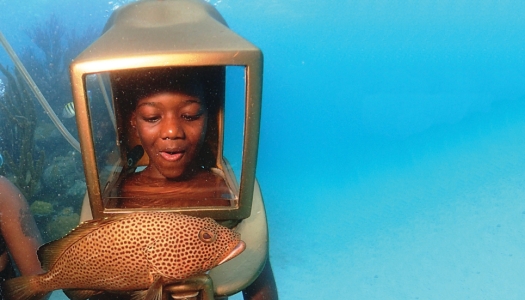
column 172, row 130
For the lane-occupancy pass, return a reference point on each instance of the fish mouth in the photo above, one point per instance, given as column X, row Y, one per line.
column 238, row 249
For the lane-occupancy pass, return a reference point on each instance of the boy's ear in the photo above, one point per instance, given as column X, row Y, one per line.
column 133, row 122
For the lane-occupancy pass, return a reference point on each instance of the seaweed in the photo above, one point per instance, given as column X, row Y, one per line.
column 36, row 158
column 17, row 132
column 48, row 62
column 61, row 224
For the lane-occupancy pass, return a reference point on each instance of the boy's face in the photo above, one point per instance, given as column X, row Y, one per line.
column 171, row 127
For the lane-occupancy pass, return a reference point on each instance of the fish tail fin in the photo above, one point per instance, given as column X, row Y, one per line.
column 23, row 288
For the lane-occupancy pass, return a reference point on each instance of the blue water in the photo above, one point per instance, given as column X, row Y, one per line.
column 392, row 155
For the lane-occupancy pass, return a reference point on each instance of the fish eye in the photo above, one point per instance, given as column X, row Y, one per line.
column 207, row 236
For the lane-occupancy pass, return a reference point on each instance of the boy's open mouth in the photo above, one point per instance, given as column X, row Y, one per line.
column 172, row 155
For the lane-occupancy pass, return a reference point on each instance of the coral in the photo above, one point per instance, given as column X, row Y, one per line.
column 41, row 208
column 17, row 132
column 78, row 190
column 62, row 173
column 62, row 224
column 45, row 62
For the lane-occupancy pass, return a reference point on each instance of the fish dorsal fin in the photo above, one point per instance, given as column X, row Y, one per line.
column 50, row 253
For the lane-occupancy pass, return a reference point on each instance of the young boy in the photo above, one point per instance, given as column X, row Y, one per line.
column 173, row 114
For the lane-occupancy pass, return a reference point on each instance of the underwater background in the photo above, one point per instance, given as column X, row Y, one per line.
column 391, row 157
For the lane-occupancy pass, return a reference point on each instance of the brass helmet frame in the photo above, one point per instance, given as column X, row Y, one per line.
column 172, row 33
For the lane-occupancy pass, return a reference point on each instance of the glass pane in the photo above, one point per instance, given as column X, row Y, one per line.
column 170, row 126
column 103, row 125
column 234, row 118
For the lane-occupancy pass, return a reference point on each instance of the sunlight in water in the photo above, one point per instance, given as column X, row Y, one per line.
column 2, row 88
column 214, row 3
column 116, row 4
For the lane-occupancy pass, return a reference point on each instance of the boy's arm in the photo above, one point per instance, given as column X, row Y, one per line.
column 18, row 228
column 263, row 287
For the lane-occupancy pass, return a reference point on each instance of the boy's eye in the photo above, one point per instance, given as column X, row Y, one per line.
column 190, row 117
column 151, row 119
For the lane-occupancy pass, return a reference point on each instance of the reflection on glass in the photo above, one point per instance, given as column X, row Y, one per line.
column 234, row 118
column 102, row 124
column 171, row 125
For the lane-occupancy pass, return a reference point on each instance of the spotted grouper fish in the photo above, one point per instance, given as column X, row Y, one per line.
column 125, row 253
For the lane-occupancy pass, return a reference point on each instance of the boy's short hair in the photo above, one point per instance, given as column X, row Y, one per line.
column 129, row 86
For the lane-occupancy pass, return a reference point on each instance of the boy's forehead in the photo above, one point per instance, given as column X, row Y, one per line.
column 170, row 96
column 183, row 97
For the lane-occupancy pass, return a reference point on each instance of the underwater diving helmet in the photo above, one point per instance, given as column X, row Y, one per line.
column 149, row 43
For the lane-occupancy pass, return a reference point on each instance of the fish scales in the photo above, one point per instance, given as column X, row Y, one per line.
column 129, row 252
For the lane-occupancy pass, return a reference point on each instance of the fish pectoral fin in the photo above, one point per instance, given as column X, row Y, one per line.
column 139, row 295
column 80, row 294
column 153, row 293
column 152, row 252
